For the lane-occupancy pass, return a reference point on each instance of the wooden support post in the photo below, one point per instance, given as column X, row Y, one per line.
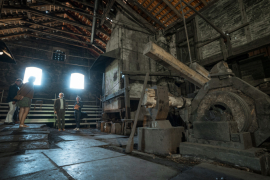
column 223, row 49
column 129, row 147
column 127, row 97
column 244, row 19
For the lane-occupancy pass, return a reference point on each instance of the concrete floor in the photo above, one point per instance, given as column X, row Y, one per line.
column 90, row 154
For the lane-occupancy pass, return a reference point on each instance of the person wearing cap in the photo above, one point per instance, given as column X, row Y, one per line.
column 12, row 92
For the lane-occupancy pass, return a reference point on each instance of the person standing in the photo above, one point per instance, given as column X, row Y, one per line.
column 59, row 109
column 25, row 96
column 77, row 113
column 12, row 92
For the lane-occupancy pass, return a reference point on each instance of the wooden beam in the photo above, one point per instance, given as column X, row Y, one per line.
column 255, row 44
column 107, row 11
column 51, row 16
column 204, row 2
column 209, row 22
column 57, row 3
column 164, row 58
column 173, row 8
column 136, row 16
column 141, row 73
column 113, row 95
column 172, row 25
column 146, row 12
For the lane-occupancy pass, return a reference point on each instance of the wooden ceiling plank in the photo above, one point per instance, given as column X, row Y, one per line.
column 146, row 12
column 156, row 6
column 149, row 4
column 173, row 8
column 59, row 4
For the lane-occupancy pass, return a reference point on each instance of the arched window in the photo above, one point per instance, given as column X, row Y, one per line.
column 77, row 81
column 33, row 71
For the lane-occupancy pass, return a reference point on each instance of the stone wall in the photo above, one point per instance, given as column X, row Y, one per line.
column 55, row 75
column 226, row 15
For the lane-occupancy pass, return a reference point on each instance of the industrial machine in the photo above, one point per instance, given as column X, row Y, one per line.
column 227, row 120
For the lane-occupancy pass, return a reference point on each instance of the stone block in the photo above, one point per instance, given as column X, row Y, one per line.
column 253, row 158
column 235, row 137
column 219, row 131
column 159, row 141
column 245, row 139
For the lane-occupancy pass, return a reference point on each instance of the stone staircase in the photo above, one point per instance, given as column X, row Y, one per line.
column 45, row 114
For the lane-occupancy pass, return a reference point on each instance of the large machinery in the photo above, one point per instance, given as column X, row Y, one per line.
column 227, row 120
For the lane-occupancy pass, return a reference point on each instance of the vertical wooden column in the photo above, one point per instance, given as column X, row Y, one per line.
column 197, row 38
column 244, row 19
column 127, row 97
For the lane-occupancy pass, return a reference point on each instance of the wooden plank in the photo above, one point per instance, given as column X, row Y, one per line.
column 136, row 16
column 141, row 73
column 129, row 147
column 107, row 11
column 164, row 58
column 149, row 4
column 113, row 95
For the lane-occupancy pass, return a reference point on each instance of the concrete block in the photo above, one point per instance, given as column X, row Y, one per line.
column 159, row 141
column 219, row 131
column 235, row 137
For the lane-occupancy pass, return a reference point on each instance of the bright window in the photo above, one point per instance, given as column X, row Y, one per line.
column 33, row 71
column 77, row 81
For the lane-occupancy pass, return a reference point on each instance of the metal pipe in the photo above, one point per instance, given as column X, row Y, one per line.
column 184, row 21
column 94, row 22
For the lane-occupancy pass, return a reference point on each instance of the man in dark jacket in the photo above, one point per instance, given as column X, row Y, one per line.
column 59, row 109
column 12, row 92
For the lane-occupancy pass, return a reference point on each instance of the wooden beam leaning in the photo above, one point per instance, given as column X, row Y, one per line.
column 164, row 58
column 136, row 16
column 146, row 12
column 107, row 11
column 130, row 143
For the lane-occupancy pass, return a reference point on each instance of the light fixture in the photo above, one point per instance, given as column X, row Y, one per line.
column 1, row 53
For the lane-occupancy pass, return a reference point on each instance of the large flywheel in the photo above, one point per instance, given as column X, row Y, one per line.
column 225, row 106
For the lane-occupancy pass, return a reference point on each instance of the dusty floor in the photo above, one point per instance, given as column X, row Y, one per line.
column 91, row 154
